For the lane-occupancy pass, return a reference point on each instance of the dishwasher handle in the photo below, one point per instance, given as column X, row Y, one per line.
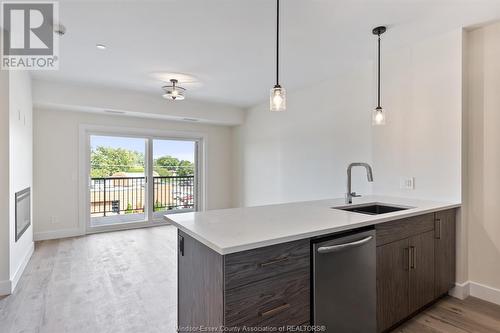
column 345, row 246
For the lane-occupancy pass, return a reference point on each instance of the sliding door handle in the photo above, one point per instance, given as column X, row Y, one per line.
column 345, row 246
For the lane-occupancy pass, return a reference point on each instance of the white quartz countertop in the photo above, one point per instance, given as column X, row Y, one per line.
column 238, row 229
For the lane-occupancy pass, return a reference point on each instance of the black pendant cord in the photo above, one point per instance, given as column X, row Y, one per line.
column 379, row 71
column 277, row 41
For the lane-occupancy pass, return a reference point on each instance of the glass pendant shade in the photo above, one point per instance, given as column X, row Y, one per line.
column 277, row 99
column 378, row 116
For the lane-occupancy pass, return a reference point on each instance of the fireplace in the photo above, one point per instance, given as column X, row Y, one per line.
column 23, row 211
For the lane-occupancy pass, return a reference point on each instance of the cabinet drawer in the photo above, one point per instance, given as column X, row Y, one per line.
column 277, row 301
column 250, row 266
column 392, row 231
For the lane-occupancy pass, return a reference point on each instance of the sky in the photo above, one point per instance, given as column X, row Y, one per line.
column 183, row 150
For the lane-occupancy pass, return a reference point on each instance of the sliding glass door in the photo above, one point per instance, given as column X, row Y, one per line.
column 117, row 180
column 174, row 188
column 139, row 179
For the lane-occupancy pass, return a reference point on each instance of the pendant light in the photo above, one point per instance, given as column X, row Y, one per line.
column 277, row 99
column 378, row 117
column 173, row 91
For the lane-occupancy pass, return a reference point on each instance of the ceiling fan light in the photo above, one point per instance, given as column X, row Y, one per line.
column 174, row 95
column 174, row 92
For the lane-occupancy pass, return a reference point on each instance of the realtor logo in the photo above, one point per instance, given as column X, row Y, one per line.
column 29, row 42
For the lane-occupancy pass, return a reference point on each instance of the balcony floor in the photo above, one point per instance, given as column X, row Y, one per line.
column 116, row 219
column 99, row 221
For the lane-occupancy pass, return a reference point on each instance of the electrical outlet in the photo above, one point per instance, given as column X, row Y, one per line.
column 54, row 220
column 407, row 183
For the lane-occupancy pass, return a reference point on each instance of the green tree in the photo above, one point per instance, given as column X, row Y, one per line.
column 166, row 165
column 129, row 209
column 171, row 166
column 158, row 206
column 186, row 168
column 106, row 161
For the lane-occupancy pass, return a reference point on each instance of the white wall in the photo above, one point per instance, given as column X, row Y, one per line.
column 483, row 158
column 4, row 183
column 422, row 95
column 56, row 160
column 16, row 169
column 91, row 98
column 21, row 165
column 303, row 153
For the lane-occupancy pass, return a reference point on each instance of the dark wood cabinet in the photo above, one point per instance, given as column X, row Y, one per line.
column 245, row 267
column 271, row 286
column 399, row 229
column 200, row 284
column 415, row 265
column 268, row 286
column 445, row 242
column 421, row 271
column 392, row 283
column 278, row 301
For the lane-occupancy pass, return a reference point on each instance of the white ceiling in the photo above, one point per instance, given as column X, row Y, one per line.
column 229, row 44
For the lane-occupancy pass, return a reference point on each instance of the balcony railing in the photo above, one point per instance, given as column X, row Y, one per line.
column 126, row 195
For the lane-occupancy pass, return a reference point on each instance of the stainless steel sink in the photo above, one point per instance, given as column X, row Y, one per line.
column 372, row 209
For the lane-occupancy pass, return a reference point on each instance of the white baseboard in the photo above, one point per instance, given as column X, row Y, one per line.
column 56, row 234
column 474, row 289
column 484, row 292
column 5, row 288
column 461, row 290
column 22, row 267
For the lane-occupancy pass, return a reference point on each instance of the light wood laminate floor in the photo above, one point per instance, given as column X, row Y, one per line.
column 122, row 281
column 126, row 281
column 455, row 316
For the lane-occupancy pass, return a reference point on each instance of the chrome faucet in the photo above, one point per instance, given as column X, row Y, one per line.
column 369, row 174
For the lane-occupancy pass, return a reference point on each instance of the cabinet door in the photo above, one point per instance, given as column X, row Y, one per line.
column 392, row 283
column 445, row 251
column 200, row 284
column 422, row 263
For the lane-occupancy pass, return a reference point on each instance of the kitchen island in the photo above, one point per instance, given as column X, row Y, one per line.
column 252, row 266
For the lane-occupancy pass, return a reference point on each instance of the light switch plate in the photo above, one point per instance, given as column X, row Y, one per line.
column 407, row 183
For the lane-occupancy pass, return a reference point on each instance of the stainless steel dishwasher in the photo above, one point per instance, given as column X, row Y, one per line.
column 344, row 282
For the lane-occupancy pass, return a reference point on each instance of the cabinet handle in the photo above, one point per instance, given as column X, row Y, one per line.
column 407, row 255
column 181, row 246
column 274, row 311
column 272, row 262
column 437, row 229
column 413, row 257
